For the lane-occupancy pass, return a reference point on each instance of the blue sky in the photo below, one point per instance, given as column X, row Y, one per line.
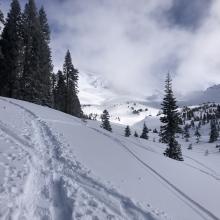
column 135, row 43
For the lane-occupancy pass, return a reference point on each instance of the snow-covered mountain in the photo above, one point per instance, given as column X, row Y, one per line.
column 211, row 94
column 55, row 166
column 94, row 89
column 97, row 94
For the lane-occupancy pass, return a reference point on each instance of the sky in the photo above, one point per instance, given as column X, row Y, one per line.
column 134, row 43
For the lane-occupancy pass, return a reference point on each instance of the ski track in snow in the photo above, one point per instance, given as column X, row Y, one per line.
column 56, row 187
column 212, row 173
column 208, row 171
column 199, row 209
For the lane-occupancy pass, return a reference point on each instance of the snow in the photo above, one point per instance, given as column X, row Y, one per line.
column 96, row 95
column 94, row 89
column 122, row 112
column 55, row 166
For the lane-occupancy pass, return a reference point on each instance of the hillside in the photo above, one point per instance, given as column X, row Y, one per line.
column 54, row 166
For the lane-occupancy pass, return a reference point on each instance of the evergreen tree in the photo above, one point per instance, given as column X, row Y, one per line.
column 218, row 112
column 73, row 106
column 1, row 17
column 214, row 131
column 45, row 61
column 127, row 131
column 59, row 92
column 53, row 87
column 199, row 124
column 145, row 132
column 186, row 132
column 105, row 121
column 12, row 50
column 170, row 120
column 1, row 22
column 135, row 134
column 197, row 134
column 192, row 123
column 45, row 28
column 204, row 119
column 31, row 78
column 189, row 147
column 155, row 131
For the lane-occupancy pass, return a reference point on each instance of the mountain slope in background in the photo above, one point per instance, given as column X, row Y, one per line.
column 211, row 94
column 97, row 94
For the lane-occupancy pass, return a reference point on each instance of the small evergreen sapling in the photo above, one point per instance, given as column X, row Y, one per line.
column 145, row 132
column 105, row 121
column 214, row 134
column 155, row 131
column 190, row 147
column 127, row 131
column 136, row 134
column 197, row 134
column 186, row 132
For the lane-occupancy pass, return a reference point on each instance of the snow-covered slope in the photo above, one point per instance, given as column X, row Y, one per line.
column 54, row 166
column 211, row 94
column 96, row 94
column 121, row 111
column 94, row 89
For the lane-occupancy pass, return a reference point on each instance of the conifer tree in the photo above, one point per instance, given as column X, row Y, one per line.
column 12, row 50
column 73, row 106
column 45, row 61
column 31, row 78
column 145, row 132
column 218, row 112
column 186, row 132
column 155, row 131
column 199, row 124
column 127, row 131
column 1, row 17
column 135, row 134
column 214, row 134
column 170, row 120
column 1, row 22
column 192, row 123
column 53, row 87
column 204, row 119
column 105, row 121
column 59, row 92
column 25, row 64
column 197, row 134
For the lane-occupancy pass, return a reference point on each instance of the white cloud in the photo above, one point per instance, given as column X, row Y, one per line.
column 200, row 65
column 132, row 44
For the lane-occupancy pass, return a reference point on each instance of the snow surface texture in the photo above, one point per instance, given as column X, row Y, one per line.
column 122, row 112
column 54, row 166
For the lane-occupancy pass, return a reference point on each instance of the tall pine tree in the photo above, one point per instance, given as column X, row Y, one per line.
column 1, row 17
column 59, row 92
column 1, row 55
column 45, row 61
column 73, row 106
column 170, row 120
column 53, row 88
column 12, row 50
column 31, row 78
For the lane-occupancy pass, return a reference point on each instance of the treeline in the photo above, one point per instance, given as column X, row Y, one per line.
column 26, row 69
